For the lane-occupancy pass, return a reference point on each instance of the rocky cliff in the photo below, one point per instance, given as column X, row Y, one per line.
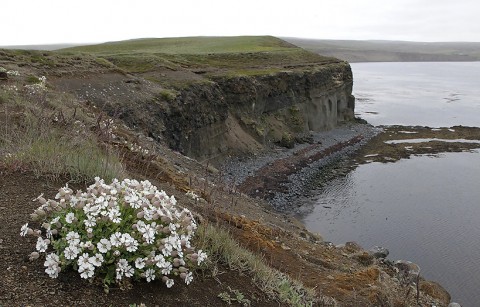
column 214, row 116
column 241, row 114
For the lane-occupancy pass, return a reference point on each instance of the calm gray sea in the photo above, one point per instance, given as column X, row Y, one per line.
column 425, row 209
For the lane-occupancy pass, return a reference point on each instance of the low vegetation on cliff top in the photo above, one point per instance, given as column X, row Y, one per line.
column 242, row 54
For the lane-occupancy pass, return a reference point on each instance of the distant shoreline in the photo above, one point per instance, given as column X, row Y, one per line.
column 391, row 51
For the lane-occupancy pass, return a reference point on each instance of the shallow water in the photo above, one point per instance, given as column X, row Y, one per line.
column 425, row 209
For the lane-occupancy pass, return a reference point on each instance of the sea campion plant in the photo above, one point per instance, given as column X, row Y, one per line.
column 119, row 231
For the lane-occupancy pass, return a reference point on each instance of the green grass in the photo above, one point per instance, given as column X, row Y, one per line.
column 245, row 55
column 189, row 45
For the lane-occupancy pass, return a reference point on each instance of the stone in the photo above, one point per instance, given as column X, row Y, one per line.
column 408, row 267
column 379, row 252
column 3, row 75
column 353, row 247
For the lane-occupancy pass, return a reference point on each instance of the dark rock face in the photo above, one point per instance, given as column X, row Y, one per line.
column 238, row 114
column 3, row 75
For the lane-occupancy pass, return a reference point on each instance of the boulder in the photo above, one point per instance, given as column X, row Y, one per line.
column 379, row 252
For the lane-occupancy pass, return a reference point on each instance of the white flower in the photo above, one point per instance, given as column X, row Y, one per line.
column 73, row 238
column 86, row 271
column 172, row 227
column 86, row 245
column 115, row 239
column 71, row 252
column 83, row 260
column 52, row 271
column 104, row 245
column 129, row 271
column 150, row 275
column 201, row 256
column 41, row 245
column 160, row 232
column 114, row 215
column 123, row 268
column 96, row 260
column 132, row 245
column 167, row 250
column 189, row 278
column 149, row 232
column 160, row 261
column 51, row 262
column 69, row 217
column 133, row 201
column 140, row 263
column 90, row 222
column 167, row 268
column 51, row 259
column 24, row 230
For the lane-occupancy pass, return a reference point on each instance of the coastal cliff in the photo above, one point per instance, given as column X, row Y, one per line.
column 242, row 114
column 143, row 111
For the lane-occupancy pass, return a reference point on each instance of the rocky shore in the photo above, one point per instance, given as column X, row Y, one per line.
column 282, row 175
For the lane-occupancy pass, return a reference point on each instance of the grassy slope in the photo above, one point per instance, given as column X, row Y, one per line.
column 237, row 53
column 190, row 45
column 367, row 51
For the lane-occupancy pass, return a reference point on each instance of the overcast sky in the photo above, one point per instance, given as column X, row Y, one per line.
column 87, row 21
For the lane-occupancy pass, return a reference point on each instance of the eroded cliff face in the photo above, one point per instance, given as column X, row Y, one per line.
column 216, row 116
column 242, row 114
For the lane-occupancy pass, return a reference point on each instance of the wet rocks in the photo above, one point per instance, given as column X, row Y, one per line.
column 379, row 252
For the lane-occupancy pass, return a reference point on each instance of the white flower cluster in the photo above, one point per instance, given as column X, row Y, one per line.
column 37, row 87
column 13, row 73
column 193, row 195
column 137, row 148
column 126, row 229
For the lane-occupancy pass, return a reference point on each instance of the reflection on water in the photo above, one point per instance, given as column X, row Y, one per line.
column 425, row 209
column 426, row 94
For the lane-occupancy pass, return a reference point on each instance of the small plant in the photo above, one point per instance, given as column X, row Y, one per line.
column 234, row 296
column 168, row 95
column 119, row 231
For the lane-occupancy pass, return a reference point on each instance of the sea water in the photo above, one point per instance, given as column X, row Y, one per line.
column 425, row 209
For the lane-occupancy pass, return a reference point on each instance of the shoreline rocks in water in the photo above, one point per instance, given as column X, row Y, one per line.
column 281, row 176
